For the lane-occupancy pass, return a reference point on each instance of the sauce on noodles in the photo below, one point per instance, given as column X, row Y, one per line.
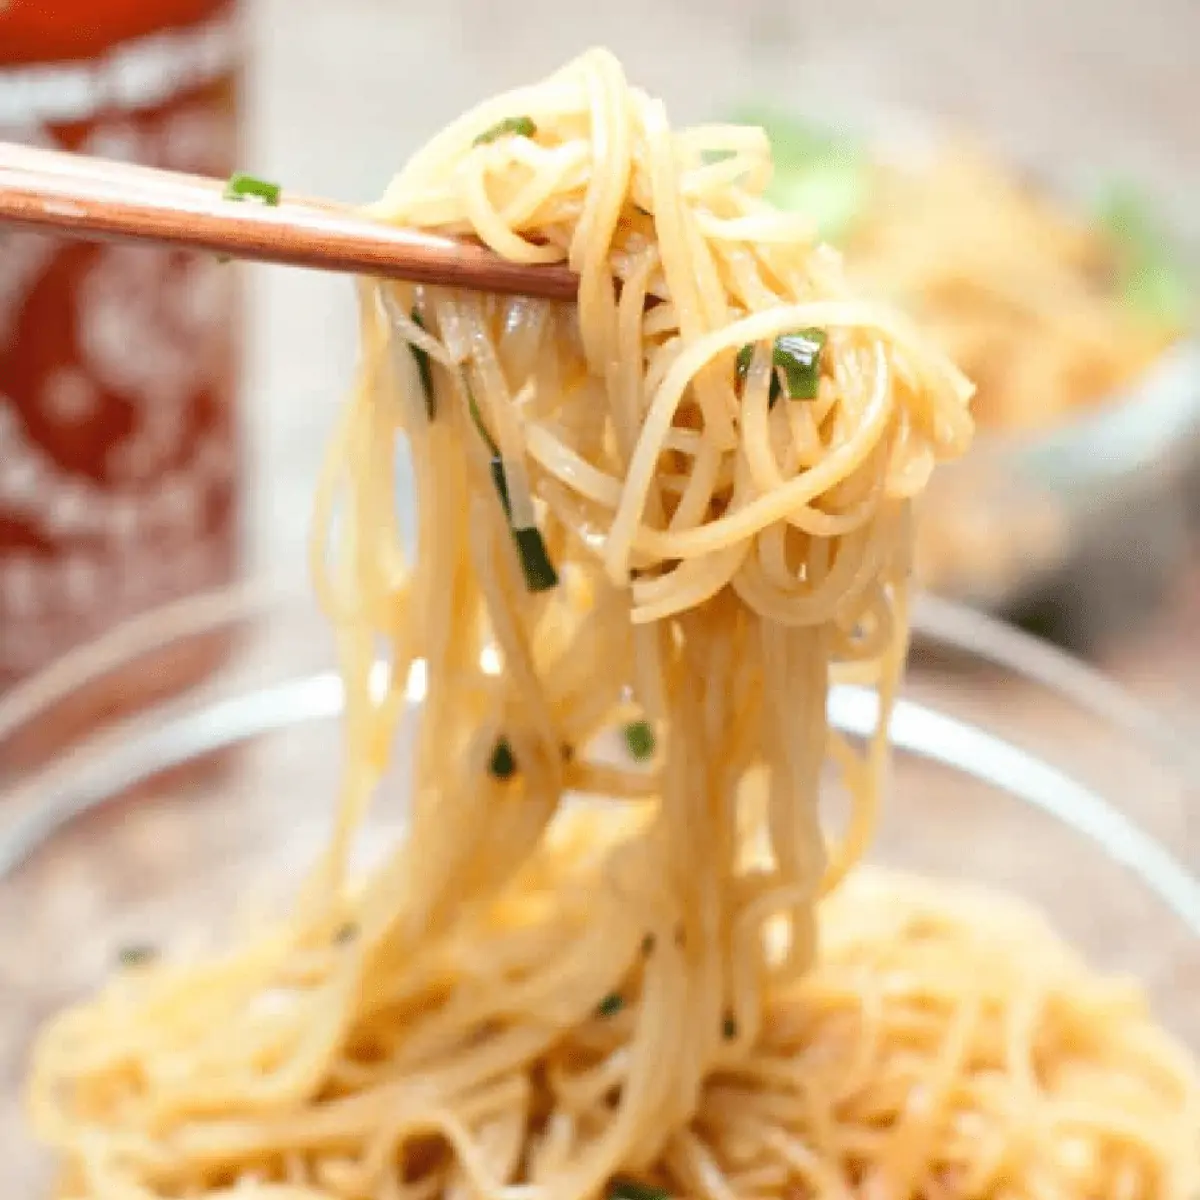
column 625, row 517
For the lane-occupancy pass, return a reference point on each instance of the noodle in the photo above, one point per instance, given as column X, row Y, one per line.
column 624, row 517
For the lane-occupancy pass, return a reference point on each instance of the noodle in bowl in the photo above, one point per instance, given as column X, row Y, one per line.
column 689, row 519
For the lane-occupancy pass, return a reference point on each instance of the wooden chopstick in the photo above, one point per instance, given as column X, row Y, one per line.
column 97, row 200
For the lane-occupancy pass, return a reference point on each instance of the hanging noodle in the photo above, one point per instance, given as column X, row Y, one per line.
column 641, row 522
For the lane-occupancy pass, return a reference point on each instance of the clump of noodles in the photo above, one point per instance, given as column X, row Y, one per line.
column 682, row 506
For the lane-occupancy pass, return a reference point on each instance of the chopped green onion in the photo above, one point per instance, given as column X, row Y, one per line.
column 610, row 1005
column 247, row 187
column 503, row 764
column 424, row 369
column 648, row 944
column 477, row 417
column 744, row 355
column 639, row 737
column 509, row 127
column 798, row 356
column 540, row 575
column 500, row 483
column 629, row 1189
column 729, row 1028
column 137, row 955
column 346, row 933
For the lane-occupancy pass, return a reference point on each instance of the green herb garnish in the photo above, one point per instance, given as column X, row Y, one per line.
column 136, row 955
column 744, row 357
column 630, row 1189
column 500, row 483
column 796, row 358
column 247, row 187
column 424, row 369
column 1151, row 279
column 729, row 1028
column 478, row 422
column 346, row 933
column 610, row 1005
column 639, row 738
column 540, row 575
column 648, row 944
column 503, row 764
column 799, row 356
column 509, row 127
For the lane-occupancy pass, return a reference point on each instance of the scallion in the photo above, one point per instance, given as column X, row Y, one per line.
column 729, row 1027
column 610, row 1005
column 503, row 764
column 500, row 483
column 246, row 187
column 509, row 127
column 630, row 1189
column 540, row 575
column 424, row 369
column 346, row 933
column 136, row 955
column 797, row 356
column 744, row 356
column 639, row 738
column 477, row 417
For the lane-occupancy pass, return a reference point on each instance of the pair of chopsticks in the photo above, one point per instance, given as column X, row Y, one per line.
column 90, row 198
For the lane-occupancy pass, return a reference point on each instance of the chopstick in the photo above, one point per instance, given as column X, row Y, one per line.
column 90, row 198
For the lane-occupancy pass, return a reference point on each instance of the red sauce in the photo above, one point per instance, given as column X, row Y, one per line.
column 119, row 469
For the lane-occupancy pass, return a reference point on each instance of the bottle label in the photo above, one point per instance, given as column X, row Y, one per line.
column 118, row 465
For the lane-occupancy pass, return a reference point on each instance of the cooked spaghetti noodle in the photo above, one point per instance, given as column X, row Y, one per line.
column 686, row 516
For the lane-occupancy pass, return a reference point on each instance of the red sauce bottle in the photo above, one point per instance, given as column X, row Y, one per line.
column 119, row 471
